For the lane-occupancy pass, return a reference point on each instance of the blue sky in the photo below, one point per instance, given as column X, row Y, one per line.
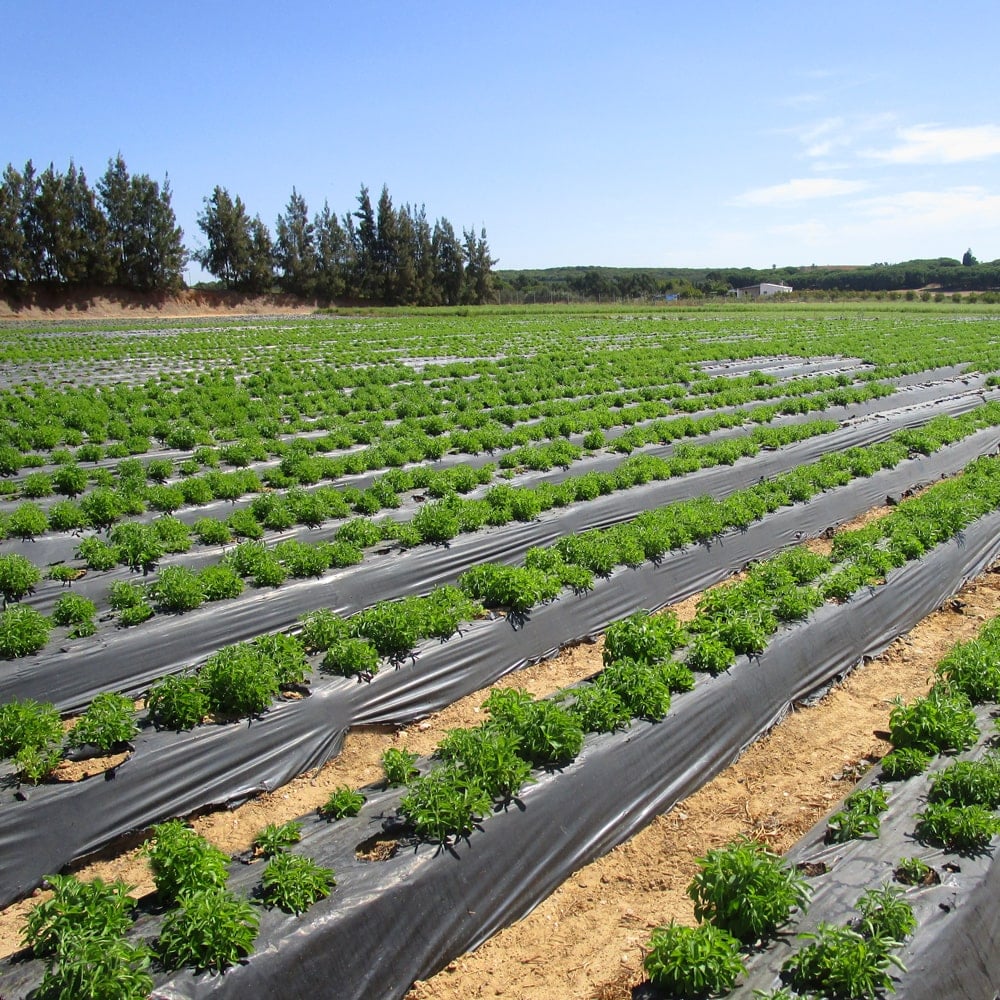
column 578, row 133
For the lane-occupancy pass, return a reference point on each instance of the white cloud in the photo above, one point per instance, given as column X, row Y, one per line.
column 951, row 207
column 799, row 189
column 934, row 144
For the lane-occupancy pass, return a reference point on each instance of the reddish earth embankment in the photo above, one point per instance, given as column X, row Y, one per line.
column 107, row 303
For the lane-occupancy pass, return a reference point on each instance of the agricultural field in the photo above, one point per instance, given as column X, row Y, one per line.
column 332, row 646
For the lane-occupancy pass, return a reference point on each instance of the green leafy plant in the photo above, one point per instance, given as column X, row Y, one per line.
column 693, row 961
column 177, row 589
column 443, row 804
column 28, row 521
column 642, row 688
column 34, row 764
column 841, row 964
column 108, row 721
column 321, row 629
column 219, row 582
column 489, row 758
column 277, row 837
column 643, row 637
column 183, row 862
column 969, row 782
column 96, row 965
column 747, row 890
column 77, row 612
column 913, row 871
column 860, row 816
column 23, row 631
column 91, row 908
column 939, row 722
column 177, row 701
column 599, row 709
column 885, row 914
column 239, row 680
column 398, row 766
column 293, row 882
column 28, row 723
column 903, row 763
column 963, row 829
column 18, row 577
column 210, row 929
column 351, row 658
column 97, row 554
column 343, row 802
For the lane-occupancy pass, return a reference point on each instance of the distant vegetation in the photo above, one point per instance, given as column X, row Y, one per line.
column 58, row 232
column 605, row 284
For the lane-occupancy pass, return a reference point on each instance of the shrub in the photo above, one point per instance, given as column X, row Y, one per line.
column 548, row 735
column 28, row 723
column 97, row 554
column 97, row 965
column 964, row 829
column 643, row 637
column 23, row 631
column 64, row 515
column 840, row 962
column 903, row 763
column 398, row 766
column 969, row 782
column 934, row 724
column 443, row 804
column 123, row 594
column 37, row 485
column 390, row 626
column 239, row 680
column 210, row 929
column 343, row 802
column 219, row 582
column 747, row 890
column 69, row 480
column 210, row 531
column 351, row 658
column 692, row 961
column 95, row 908
column 321, row 629
column 599, row 709
column 27, row 521
column 178, row 589
column 18, row 577
column 277, row 837
column 293, row 883
column 183, row 862
column 108, row 721
column 886, row 914
column 641, row 687
column 490, row 759
column 75, row 610
column 177, row 702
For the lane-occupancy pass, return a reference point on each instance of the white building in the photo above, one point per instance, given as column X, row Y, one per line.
column 762, row 291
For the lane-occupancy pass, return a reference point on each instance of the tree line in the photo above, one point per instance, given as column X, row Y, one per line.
column 58, row 231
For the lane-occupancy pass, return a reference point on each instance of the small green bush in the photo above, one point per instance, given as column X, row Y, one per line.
column 23, row 631
column 183, row 862
column 443, row 804
column 692, row 962
column 210, row 929
column 293, row 883
column 18, row 577
column 109, row 720
column 398, row 766
column 343, row 802
column 177, row 702
column 178, row 589
column 747, row 890
column 277, row 837
column 28, row 723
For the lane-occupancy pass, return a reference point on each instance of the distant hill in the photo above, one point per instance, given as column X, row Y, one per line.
column 592, row 282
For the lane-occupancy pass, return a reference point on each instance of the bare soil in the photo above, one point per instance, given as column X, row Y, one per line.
column 586, row 939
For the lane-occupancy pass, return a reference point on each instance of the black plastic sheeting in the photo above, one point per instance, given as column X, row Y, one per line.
column 954, row 952
column 174, row 774
column 72, row 674
column 389, row 923
column 946, row 395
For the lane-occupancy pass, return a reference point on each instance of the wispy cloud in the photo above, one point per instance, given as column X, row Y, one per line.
column 953, row 206
column 798, row 190
column 935, row 144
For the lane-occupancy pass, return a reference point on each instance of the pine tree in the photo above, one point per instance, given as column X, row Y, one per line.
column 449, row 263
column 295, row 249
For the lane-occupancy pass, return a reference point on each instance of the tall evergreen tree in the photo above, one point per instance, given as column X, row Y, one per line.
column 226, row 226
column 295, row 248
column 260, row 274
column 423, row 245
column 15, row 268
column 332, row 256
column 449, row 263
column 478, row 287
column 366, row 248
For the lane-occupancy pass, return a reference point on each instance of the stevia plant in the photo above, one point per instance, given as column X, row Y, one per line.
column 747, row 890
column 211, row 929
column 293, row 882
column 342, row 803
column 183, row 862
column 89, row 908
column 693, row 962
column 177, row 701
column 109, row 720
column 398, row 766
column 97, row 965
column 277, row 837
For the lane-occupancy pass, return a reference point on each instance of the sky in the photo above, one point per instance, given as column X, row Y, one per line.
column 633, row 134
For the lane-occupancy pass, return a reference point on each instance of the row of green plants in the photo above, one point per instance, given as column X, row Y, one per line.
column 743, row 894
column 83, row 933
